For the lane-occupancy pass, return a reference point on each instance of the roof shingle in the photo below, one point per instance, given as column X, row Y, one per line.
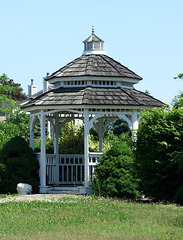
column 94, row 96
column 94, row 65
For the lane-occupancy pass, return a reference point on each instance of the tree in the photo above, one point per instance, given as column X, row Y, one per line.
column 147, row 92
column 17, row 164
column 115, row 171
column 119, row 126
column 11, row 89
column 18, row 125
column 71, row 139
column 180, row 76
column 178, row 101
column 21, row 120
column 10, row 94
column 159, row 143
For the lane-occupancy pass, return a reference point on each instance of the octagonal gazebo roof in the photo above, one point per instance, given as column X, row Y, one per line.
column 92, row 96
column 94, row 65
column 94, row 79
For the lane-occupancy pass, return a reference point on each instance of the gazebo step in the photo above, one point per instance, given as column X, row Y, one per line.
column 70, row 190
column 63, row 192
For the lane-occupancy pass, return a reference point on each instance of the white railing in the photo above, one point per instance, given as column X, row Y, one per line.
column 50, row 168
column 93, row 161
column 71, row 167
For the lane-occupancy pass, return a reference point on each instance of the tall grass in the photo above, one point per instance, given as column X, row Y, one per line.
column 89, row 218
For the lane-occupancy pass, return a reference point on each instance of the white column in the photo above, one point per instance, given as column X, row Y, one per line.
column 135, row 124
column 56, row 148
column 49, row 129
column 43, row 155
column 32, row 132
column 86, row 148
column 100, row 131
column 100, row 134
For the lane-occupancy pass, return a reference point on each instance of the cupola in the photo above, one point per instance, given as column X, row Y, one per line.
column 93, row 44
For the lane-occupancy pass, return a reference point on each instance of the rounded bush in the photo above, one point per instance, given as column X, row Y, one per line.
column 115, row 172
column 18, row 164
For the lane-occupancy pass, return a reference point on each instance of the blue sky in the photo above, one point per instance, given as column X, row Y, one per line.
column 41, row 36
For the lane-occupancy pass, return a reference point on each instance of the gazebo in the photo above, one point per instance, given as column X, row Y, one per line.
column 92, row 87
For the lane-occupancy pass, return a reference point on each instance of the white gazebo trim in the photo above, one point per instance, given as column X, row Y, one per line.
column 56, row 148
column 58, row 118
column 43, row 154
column 86, row 148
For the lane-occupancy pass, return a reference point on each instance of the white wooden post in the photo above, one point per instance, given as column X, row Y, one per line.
column 56, row 148
column 135, row 124
column 100, row 134
column 49, row 129
column 32, row 132
column 43, row 155
column 86, row 154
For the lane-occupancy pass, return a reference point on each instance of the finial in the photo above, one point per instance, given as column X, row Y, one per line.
column 93, row 29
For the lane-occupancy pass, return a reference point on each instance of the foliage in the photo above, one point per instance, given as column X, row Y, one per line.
column 17, row 125
column 49, row 145
column 17, row 164
column 7, row 131
column 119, row 126
column 11, row 89
column 180, row 76
column 178, row 184
column 93, row 144
column 10, row 93
column 147, row 92
column 74, row 140
column 108, row 141
column 159, row 140
column 178, row 101
column 22, row 120
column 71, row 139
column 115, row 171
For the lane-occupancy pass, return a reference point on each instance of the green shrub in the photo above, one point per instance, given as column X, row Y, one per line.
column 49, row 145
column 7, row 131
column 115, row 172
column 159, row 139
column 119, row 126
column 17, row 164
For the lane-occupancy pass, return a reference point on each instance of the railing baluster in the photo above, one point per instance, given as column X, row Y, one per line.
column 74, row 164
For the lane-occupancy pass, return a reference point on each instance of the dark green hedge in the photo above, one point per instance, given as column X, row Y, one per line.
column 18, row 164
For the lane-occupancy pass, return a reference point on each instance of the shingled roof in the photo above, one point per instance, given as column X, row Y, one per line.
column 94, row 96
column 94, row 65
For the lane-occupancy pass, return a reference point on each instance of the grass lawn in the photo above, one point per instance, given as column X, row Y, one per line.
column 85, row 218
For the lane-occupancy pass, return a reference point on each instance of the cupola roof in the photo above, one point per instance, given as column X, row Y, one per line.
column 93, row 44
